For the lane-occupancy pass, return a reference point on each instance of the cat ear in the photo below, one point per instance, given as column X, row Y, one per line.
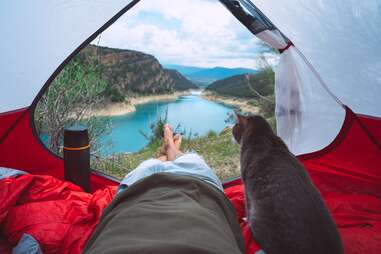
column 241, row 119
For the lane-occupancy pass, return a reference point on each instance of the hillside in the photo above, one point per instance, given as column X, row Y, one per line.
column 181, row 83
column 131, row 72
column 205, row 76
column 242, row 85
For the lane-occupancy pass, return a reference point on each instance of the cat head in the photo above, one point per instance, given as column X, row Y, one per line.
column 250, row 126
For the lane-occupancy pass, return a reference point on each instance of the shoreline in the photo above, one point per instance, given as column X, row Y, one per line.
column 122, row 108
column 242, row 104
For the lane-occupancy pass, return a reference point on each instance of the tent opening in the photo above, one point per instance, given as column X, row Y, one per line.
column 156, row 65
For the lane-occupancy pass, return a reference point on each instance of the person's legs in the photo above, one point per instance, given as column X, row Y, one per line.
column 190, row 164
column 152, row 166
column 173, row 161
column 146, row 168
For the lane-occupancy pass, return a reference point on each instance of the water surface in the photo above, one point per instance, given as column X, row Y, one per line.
column 192, row 112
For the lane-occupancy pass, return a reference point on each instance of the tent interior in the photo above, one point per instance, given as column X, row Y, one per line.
column 327, row 84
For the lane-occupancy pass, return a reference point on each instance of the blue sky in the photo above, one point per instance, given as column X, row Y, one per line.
column 187, row 32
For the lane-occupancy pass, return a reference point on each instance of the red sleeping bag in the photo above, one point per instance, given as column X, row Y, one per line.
column 58, row 214
column 61, row 217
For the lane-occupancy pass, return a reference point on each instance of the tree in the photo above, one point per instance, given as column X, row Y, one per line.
column 265, row 98
column 70, row 99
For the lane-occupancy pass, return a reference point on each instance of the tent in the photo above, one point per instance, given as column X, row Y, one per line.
column 327, row 87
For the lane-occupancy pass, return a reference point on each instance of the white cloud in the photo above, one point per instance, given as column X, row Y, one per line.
column 188, row 32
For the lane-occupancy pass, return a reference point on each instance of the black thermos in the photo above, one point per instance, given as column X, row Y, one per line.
column 77, row 156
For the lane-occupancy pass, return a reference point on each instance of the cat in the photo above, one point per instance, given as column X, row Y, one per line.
column 285, row 211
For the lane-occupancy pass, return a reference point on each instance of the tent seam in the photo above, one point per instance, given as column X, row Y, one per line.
column 368, row 133
column 320, row 79
column 13, row 126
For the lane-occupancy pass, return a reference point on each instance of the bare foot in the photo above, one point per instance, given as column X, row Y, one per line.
column 172, row 149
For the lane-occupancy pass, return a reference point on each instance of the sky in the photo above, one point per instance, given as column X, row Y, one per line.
column 186, row 32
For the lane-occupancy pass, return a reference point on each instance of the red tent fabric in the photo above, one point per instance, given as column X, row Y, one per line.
column 21, row 148
column 352, row 162
column 348, row 175
column 347, row 172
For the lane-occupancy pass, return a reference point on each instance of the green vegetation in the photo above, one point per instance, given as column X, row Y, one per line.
column 73, row 94
column 114, row 94
column 156, row 135
column 181, row 83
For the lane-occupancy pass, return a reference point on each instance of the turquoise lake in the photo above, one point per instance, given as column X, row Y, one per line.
column 193, row 113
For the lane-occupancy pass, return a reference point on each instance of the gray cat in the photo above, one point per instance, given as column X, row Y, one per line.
column 285, row 211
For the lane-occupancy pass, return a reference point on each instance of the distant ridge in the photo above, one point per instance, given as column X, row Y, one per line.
column 185, row 70
column 203, row 76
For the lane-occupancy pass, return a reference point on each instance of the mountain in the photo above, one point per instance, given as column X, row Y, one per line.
column 185, row 70
column 217, row 73
column 205, row 76
column 181, row 83
column 134, row 72
column 244, row 85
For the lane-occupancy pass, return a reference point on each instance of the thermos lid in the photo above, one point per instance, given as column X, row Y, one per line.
column 76, row 136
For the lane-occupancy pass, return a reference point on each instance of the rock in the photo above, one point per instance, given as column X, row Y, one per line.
column 130, row 72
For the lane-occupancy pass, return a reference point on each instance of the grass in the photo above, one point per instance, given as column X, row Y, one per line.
column 218, row 150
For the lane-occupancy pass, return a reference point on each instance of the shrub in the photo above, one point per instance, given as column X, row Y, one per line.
column 69, row 100
column 114, row 94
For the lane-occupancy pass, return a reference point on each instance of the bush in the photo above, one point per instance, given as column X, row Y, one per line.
column 211, row 134
column 114, row 94
column 156, row 129
column 69, row 100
